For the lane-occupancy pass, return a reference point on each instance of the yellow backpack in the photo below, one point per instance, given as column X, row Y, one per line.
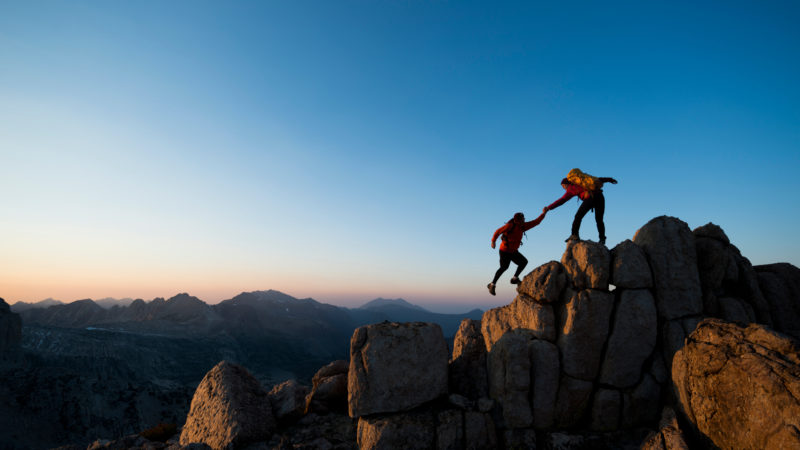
column 584, row 180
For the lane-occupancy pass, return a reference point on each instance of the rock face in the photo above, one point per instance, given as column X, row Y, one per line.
column 780, row 284
column 524, row 313
column 468, row 375
column 230, row 409
column 10, row 328
column 670, row 248
column 396, row 367
column 510, row 378
column 632, row 339
column 587, row 264
column 545, row 283
column 629, row 267
column 740, row 386
column 585, row 321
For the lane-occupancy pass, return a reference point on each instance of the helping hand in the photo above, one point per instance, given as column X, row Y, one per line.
column 612, row 181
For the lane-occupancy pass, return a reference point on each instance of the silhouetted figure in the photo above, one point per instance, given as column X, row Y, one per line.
column 590, row 191
column 512, row 233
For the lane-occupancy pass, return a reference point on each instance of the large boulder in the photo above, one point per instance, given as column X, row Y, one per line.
column 413, row 430
column 288, row 401
column 583, row 330
column 525, row 314
column 629, row 267
column 740, row 386
column 632, row 340
column 588, row 265
column 396, row 367
column 230, row 409
column 574, row 396
column 780, row 284
column 329, row 389
column 10, row 328
column 670, row 248
column 545, row 283
column 468, row 375
column 510, row 378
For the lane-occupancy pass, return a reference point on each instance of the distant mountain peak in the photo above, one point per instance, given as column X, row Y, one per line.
column 391, row 302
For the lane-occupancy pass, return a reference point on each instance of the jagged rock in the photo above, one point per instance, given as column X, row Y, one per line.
column 288, row 401
column 479, row 431
column 641, row 404
column 629, row 267
column 450, row 430
column 329, row 391
column 668, row 437
column 510, row 378
column 632, row 339
column 522, row 314
column 670, row 249
column 574, row 396
column 749, row 289
column 403, row 430
column 587, row 264
column 606, row 409
column 519, row 439
column 229, row 409
column 396, row 367
column 780, row 284
column 545, row 283
column 583, row 331
column 545, row 371
column 10, row 328
column 740, row 386
column 468, row 375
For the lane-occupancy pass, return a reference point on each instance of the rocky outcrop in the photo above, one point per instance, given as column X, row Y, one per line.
column 396, row 367
column 780, row 285
column 587, row 264
column 468, row 375
column 629, row 267
column 545, row 283
column 524, row 314
column 10, row 329
column 670, row 248
column 632, row 340
column 510, row 378
column 583, row 329
column 329, row 391
column 229, row 410
column 740, row 386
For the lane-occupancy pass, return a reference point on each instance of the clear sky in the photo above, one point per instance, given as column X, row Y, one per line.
column 346, row 150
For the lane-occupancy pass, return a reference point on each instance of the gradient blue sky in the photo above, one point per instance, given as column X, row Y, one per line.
column 346, row 150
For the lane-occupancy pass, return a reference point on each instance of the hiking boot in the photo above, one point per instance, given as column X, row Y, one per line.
column 572, row 237
column 491, row 288
column 515, row 280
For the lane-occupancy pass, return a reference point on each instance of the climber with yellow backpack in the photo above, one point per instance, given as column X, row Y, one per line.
column 590, row 190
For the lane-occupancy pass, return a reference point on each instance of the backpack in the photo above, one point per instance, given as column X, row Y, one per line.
column 584, row 180
column 504, row 236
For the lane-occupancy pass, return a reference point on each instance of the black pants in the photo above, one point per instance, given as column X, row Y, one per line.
column 598, row 202
column 505, row 261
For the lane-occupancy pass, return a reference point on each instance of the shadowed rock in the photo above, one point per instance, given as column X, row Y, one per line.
column 585, row 321
column 10, row 328
column 632, row 339
column 288, row 401
column 230, row 409
column 510, row 378
column 740, row 386
column 545, row 372
column 629, row 267
column 780, row 284
column 468, row 375
column 396, row 367
column 670, row 249
column 404, row 430
column 329, row 391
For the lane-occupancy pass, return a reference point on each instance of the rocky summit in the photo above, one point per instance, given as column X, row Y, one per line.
column 669, row 340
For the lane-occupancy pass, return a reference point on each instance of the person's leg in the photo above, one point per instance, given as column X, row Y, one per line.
column 586, row 205
column 599, row 210
column 505, row 261
column 520, row 261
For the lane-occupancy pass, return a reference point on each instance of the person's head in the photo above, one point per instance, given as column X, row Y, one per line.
column 518, row 218
column 565, row 183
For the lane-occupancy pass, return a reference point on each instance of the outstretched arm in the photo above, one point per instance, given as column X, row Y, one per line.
column 608, row 180
column 560, row 201
column 536, row 221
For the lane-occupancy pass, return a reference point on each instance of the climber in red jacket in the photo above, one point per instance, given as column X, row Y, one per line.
column 512, row 233
column 590, row 199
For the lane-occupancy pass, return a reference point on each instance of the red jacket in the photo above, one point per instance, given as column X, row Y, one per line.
column 515, row 236
column 572, row 191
